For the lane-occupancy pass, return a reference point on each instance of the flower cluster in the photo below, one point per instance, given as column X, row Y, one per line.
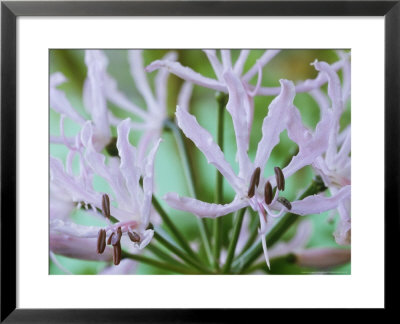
column 129, row 208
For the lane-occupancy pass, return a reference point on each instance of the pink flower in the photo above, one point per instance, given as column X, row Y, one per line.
column 335, row 165
column 130, row 204
column 249, row 186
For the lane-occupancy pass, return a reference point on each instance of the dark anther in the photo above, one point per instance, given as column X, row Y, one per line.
column 285, row 202
column 255, row 180
column 101, row 241
column 117, row 253
column 280, row 179
column 268, row 193
column 134, row 237
column 105, row 205
column 110, row 238
column 116, row 238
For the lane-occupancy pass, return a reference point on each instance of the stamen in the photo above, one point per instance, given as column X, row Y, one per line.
column 280, row 179
column 105, row 204
column 134, row 237
column 268, row 193
column 117, row 253
column 284, row 202
column 255, row 180
column 110, row 238
column 101, row 241
column 115, row 240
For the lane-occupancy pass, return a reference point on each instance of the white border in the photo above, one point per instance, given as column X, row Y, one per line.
column 364, row 288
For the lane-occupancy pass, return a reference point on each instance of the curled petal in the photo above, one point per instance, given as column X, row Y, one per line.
column 310, row 146
column 186, row 74
column 237, row 108
column 204, row 141
column 128, row 166
column 203, row 209
column 317, row 203
column 274, row 123
column 148, row 184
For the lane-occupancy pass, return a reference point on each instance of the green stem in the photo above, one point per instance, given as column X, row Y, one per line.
column 157, row 264
column 234, row 239
column 276, row 232
column 222, row 100
column 157, row 251
column 173, row 229
column 189, row 175
column 158, row 237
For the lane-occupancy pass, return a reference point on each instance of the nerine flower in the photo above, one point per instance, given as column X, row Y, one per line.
column 129, row 205
column 251, row 188
column 335, row 166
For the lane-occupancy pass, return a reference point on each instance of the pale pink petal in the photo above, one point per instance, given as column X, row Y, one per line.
column 310, row 146
column 335, row 94
column 128, row 166
column 112, row 175
column 226, row 59
column 186, row 74
column 70, row 184
column 59, row 101
column 161, row 84
column 262, row 61
column 202, row 209
column 343, row 156
column 184, row 95
column 96, row 63
column 148, row 179
column 146, row 140
column 317, row 204
column 343, row 230
column 346, row 70
column 78, row 248
column 204, row 141
column 140, row 78
column 274, row 123
column 239, row 64
column 215, row 63
column 237, row 108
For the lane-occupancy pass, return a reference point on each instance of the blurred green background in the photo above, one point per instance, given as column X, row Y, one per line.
column 288, row 64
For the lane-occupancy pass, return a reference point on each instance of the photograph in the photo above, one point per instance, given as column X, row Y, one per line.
column 199, row 161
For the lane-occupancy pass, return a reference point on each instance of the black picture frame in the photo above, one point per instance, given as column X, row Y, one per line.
column 10, row 11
